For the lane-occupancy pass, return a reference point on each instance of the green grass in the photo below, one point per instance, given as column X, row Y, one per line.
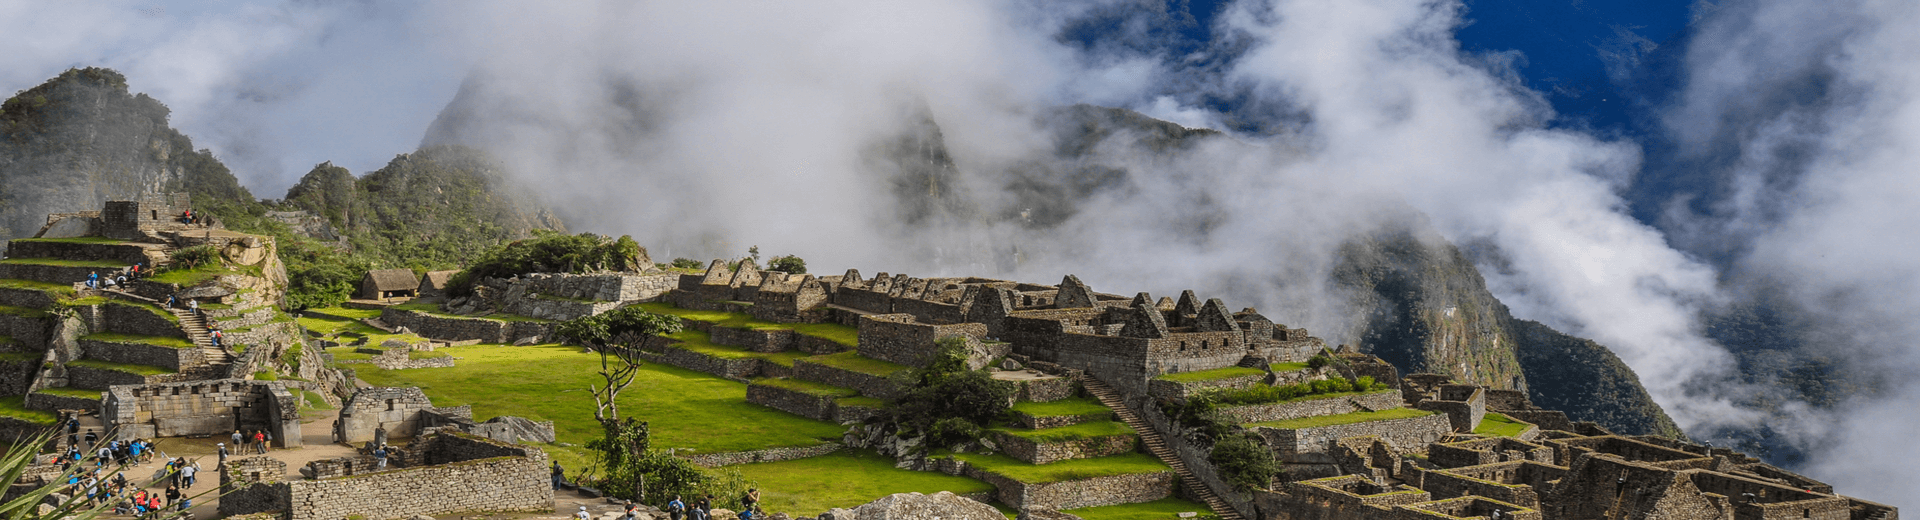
column 358, row 314
column 142, row 370
column 36, row 285
column 22, row 312
column 699, row 342
column 1076, row 469
column 1162, row 509
column 78, row 393
column 685, row 409
column 75, row 240
column 434, row 309
column 266, row 375
column 1345, row 418
column 327, row 326
column 1087, row 430
column 15, row 406
column 97, row 264
column 191, row 277
column 426, row 354
column 861, row 401
column 851, row 360
column 1063, row 407
column 808, row 387
column 1210, row 375
column 845, row 478
column 85, row 302
column 1287, row 367
column 313, row 401
column 155, row 309
column 1497, row 425
column 834, row 332
column 348, row 354
column 18, row 356
column 164, row 341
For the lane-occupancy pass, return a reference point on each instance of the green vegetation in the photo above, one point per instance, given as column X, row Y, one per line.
column 1263, row 394
column 140, row 370
column 1244, row 461
column 1210, row 375
column 348, row 312
column 685, row 409
column 852, row 360
column 1287, row 367
column 808, row 387
column 947, row 403
column 75, row 240
column 313, row 401
column 84, row 302
column 15, row 406
column 1588, row 382
column 1075, row 469
column 845, row 478
column 549, row 252
column 1162, row 509
column 155, row 309
column 22, row 312
column 1086, row 430
column 834, row 332
column 787, row 264
column 59, row 289
column 426, row 354
column 1497, row 425
column 58, row 262
column 1345, row 418
column 434, row 309
column 266, row 375
column 17, row 356
column 861, row 401
column 702, row 343
column 164, row 341
column 78, row 393
column 1063, row 407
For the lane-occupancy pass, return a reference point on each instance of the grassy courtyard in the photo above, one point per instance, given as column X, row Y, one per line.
column 846, row 478
column 1496, row 425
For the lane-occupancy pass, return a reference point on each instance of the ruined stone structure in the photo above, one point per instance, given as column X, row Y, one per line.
column 204, row 408
column 441, row 472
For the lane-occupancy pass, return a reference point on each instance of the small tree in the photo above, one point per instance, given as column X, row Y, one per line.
column 787, row 264
column 1244, row 462
column 945, row 401
column 624, row 445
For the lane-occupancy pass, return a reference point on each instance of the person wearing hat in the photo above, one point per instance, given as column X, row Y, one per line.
column 223, row 451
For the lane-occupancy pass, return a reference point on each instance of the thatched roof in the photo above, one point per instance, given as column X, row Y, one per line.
column 391, row 280
column 436, row 280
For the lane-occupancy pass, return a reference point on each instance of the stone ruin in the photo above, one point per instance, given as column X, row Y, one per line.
column 202, row 408
column 442, row 471
column 400, row 413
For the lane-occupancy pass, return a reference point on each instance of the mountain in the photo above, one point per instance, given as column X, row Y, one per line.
column 81, row 138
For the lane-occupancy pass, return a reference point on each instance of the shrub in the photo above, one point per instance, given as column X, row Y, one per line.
column 787, row 264
column 190, row 258
column 947, row 402
column 1318, row 362
column 551, row 252
column 687, row 263
column 1244, row 462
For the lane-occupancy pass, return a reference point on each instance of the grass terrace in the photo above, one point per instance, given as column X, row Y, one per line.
column 155, row 309
column 1088, row 430
column 17, row 356
column 686, row 409
column 807, row 387
column 427, row 354
column 1210, row 375
column 22, row 312
column 434, row 309
column 60, row 262
column 845, row 478
column 1345, row 418
column 36, row 285
column 15, row 406
column 1287, row 367
column 77, row 393
column 139, row 370
column 344, row 312
column 164, row 341
column 1063, row 407
column 312, row 401
column 834, row 332
column 266, row 375
column 1162, row 509
column 1498, row 425
column 348, row 354
column 851, row 360
column 700, row 342
column 1076, row 469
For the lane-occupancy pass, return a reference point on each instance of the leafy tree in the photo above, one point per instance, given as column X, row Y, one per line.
column 947, row 402
column 787, row 264
column 549, row 252
column 686, row 263
column 1244, row 462
column 628, row 464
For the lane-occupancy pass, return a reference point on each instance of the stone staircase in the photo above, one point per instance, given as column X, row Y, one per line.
column 1157, row 445
column 217, row 358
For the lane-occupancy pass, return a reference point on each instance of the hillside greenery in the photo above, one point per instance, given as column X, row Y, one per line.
column 551, row 252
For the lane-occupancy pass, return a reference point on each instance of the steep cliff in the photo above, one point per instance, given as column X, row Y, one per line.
column 81, row 139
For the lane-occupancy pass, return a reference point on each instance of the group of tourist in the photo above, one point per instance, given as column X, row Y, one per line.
column 115, row 279
column 115, row 456
column 191, row 217
column 702, row 507
column 257, row 441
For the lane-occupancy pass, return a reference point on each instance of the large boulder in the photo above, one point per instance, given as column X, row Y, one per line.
column 915, row 506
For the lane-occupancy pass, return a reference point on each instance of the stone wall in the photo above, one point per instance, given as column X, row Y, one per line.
column 133, row 318
column 1046, row 389
column 1309, row 445
column 660, row 350
column 1487, row 451
column 898, row 339
column 867, row 384
column 1055, row 421
column 204, row 408
column 50, row 402
column 99, row 379
column 1373, row 401
column 1165, row 389
column 714, row 460
column 29, row 298
column 817, row 407
column 396, row 409
column 143, row 354
column 29, row 334
column 1033, row 452
column 459, row 329
column 1074, row 494
column 1443, row 485
column 253, row 485
column 48, row 273
column 774, row 340
column 1464, row 414
column 464, row 474
column 16, row 376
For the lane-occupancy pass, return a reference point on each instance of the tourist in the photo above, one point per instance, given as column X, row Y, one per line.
column 186, row 217
column 194, row 305
column 92, row 438
column 751, row 500
column 633, row 510
column 170, row 301
column 223, row 452
column 110, row 284
column 380, row 458
column 266, row 443
column 93, row 280
column 173, row 494
column 704, row 508
column 186, row 475
column 675, row 508
column 582, row 514
column 238, row 439
column 260, row 442
column 559, row 475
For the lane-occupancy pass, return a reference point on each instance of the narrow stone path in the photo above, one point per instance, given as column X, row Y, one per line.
column 1158, row 446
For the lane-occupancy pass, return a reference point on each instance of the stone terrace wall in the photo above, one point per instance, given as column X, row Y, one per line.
column 867, row 384
column 203, row 408
column 47, row 273
column 100, row 379
column 1043, row 453
column 1315, row 407
column 714, row 460
column 461, row 329
column 1309, row 445
column 130, row 318
column 776, row 340
column 1073, row 494
column 143, row 354
column 29, row 298
column 661, row 350
column 16, row 376
column 795, row 402
column 29, row 333
column 1164, row 389
column 511, row 483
